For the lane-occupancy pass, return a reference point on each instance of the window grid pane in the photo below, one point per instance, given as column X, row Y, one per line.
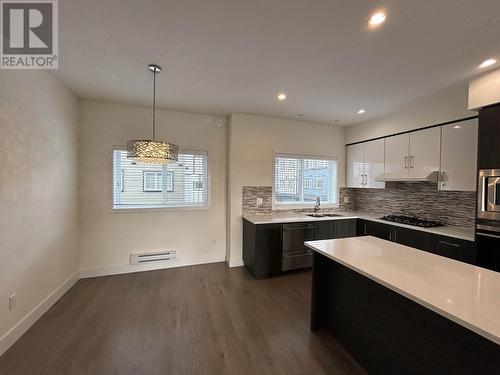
column 300, row 180
column 140, row 185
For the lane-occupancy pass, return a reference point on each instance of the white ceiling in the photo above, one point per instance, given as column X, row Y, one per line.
column 223, row 56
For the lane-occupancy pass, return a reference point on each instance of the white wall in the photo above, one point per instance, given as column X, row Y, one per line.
column 485, row 90
column 253, row 140
column 38, row 196
column 447, row 105
column 106, row 237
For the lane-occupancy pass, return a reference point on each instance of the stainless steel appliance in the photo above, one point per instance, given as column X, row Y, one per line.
column 295, row 254
column 488, row 219
column 488, row 205
column 411, row 220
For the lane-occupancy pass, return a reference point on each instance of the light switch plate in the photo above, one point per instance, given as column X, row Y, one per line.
column 260, row 201
column 346, row 199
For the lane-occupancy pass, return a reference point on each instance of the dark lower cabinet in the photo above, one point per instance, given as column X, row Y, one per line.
column 263, row 243
column 413, row 238
column 372, row 228
column 325, row 230
column 453, row 248
column 262, row 249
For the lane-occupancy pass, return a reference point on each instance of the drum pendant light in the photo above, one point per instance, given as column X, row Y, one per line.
column 152, row 151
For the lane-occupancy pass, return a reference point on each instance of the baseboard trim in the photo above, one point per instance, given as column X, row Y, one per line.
column 13, row 334
column 238, row 262
column 116, row 269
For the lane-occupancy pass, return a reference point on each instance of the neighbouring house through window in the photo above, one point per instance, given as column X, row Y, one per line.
column 178, row 184
column 299, row 180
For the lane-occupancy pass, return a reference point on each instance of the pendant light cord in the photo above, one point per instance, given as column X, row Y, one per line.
column 154, row 104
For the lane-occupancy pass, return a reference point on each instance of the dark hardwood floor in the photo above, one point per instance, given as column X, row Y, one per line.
column 206, row 319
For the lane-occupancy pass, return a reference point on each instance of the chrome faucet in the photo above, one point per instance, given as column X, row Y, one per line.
column 317, row 205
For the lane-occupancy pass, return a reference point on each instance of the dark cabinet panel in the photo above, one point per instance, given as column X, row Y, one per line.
column 412, row 238
column 326, row 230
column 372, row 228
column 489, row 138
column 453, row 248
column 345, row 228
column 262, row 249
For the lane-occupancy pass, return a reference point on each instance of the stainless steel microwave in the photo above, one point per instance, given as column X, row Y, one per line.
column 488, row 203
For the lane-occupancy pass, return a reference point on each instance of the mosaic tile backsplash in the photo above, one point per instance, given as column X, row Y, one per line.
column 424, row 200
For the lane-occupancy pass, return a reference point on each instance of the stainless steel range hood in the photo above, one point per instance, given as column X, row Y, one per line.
column 393, row 177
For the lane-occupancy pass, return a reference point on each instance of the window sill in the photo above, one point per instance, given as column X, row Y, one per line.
column 302, row 206
column 129, row 210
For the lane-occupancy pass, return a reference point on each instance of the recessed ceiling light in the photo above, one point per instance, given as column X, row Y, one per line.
column 487, row 63
column 281, row 96
column 457, row 126
column 361, row 111
column 377, row 19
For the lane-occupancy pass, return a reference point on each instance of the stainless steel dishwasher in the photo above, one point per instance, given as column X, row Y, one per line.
column 295, row 254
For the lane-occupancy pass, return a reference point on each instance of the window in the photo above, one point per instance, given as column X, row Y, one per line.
column 318, row 183
column 141, row 185
column 153, row 181
column 170, row 181
column 298, row 180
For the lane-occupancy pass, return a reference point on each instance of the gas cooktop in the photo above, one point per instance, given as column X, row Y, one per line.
column 411, row 220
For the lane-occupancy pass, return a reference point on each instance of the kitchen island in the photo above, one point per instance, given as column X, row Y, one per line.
column 397, row 310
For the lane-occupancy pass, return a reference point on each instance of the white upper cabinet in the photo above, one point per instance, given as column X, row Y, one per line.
column 374, row 163
column 396, row 154
column 424, row 155
column 355, row 170
column 459, row 156
column 365, row 161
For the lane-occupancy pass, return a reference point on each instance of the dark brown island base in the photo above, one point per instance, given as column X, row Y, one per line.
column 398, row 311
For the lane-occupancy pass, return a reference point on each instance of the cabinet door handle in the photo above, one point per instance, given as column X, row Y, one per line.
column 406, row 162
column 449, row 243
column 365, row 229
column 395, row 236
column 412, row 161
column 487, row 235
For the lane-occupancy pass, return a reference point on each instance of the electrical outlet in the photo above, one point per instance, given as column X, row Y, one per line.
column 12, row 301
column 346, row 199
column 260, row 201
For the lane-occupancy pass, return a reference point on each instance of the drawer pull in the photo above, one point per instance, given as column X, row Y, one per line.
column 449, row 243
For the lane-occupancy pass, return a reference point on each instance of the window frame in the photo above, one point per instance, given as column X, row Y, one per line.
column 156, row 172
column 289, row 206
column 129, row 210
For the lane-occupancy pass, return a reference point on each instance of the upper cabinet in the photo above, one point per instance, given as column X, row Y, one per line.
column 446, row 155
column 424, row 155
column 459, row 156
column 414, row 154
column 396, row 154
column 365, row 161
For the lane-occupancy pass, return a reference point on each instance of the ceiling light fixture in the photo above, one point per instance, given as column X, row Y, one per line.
column 361, row 111
column 281, row 96
column 377, row 19
column 487, row 63
column 152, row 151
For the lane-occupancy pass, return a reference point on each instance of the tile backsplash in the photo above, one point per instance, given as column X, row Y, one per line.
column 424, row 200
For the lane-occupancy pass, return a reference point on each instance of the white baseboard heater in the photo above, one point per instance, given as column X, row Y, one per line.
column 162, row 256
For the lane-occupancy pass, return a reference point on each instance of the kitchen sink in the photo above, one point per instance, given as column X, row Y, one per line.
column 323, row 215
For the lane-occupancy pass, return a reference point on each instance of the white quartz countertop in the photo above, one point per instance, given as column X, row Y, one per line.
column 294, row 217
column 465, row 294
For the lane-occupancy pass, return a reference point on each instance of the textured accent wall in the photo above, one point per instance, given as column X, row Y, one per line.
column 424, row 200
column 251, row 193
column 456, row 208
